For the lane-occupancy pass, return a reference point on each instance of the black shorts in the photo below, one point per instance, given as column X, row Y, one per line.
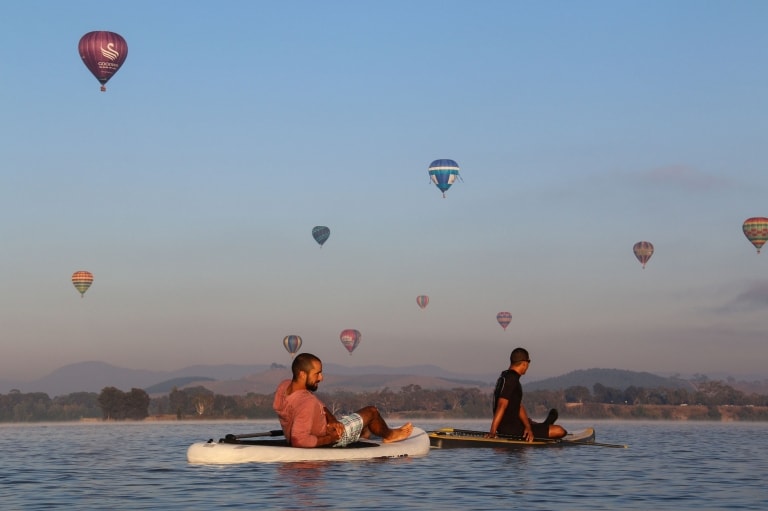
column 539, row 431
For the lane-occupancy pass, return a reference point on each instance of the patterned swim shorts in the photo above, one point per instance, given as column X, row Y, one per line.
column 353, row 426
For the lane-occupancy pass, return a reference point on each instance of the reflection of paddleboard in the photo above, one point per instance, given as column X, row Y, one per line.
column 447, row 438
column 266, row 451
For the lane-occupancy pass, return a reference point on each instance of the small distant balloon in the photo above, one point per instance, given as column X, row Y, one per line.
column 82, row 280
column 422, row 301
column 756, row 231
column 504, row 319
column 350, row 338
column 443, row 174
column 643, row 251
column 292, row 344
column 103, row 53
column 321, row 234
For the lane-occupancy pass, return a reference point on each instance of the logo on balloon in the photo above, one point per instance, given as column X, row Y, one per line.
column 109, row 52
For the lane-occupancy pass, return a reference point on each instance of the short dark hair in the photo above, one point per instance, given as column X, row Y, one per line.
column 519, row 355
column 303, row 362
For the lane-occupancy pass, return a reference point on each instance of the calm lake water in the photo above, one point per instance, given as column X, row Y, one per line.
column 668, row 465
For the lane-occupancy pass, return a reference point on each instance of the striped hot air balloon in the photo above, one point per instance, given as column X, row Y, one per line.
column 756, row 231
column 643, row 251
column 292, row 344
column 422, row 301
column 443, row 174
column 82, row 280
column 504, row 319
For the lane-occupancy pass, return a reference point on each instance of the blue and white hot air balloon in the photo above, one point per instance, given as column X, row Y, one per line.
column 443, row 174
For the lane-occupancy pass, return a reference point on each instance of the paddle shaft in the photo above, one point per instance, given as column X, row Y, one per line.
column 274, row 432
column 597, row 444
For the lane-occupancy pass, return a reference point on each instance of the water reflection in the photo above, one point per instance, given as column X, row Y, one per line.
column 303, row 481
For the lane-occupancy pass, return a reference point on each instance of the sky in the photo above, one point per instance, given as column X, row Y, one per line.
column 190, row 187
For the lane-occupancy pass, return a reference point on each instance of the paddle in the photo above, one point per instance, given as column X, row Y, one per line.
column 274, row 432
column 596, row 444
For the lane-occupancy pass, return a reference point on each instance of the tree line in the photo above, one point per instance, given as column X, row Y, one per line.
column 412, row 400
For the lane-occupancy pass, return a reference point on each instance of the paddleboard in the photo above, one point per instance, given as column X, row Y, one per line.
column 271, row 451
column 447, row 438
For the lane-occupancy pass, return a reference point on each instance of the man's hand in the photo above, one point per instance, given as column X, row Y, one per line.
column 528, row 434
column 335, row 430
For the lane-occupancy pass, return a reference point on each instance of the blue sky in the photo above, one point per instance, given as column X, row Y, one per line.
column 191, row 186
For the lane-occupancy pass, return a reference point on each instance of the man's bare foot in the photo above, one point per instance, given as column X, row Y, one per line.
column 400, row 433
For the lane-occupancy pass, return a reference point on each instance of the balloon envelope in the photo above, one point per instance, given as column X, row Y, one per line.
column 103, row 53
column 756, row 231
column 504, row 319
column 321, row 234
column 643, row 251
column 422, row 301
column 443, row 173
column 292, row 343
column 82, row 280
column 350, row 338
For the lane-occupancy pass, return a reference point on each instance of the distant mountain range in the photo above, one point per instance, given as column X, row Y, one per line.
column 93, row 376
column 612, row 378
column 232, row 379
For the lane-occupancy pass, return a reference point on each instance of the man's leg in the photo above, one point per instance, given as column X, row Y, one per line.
column 374, row 423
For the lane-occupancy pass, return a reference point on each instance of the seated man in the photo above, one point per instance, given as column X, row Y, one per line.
column 306, row 422
column 509, row 415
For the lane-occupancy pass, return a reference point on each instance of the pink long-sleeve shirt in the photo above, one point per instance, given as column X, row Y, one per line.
column 301, row 414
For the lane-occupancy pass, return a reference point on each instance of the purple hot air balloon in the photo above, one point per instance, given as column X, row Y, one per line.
column 103, row 53
column 643, row 251
column 504, row 319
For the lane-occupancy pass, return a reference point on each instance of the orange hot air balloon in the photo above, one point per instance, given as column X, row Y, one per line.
column 643, row 251
column 756, row 231
column 82, row 280
column 350, row 338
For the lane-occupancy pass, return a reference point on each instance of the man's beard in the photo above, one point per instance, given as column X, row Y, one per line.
column 312, row 387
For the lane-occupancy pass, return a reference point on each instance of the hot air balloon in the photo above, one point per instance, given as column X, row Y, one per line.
column 443, row 173
column 756, row 231
column 321, row 234
column 350, row 338
column 422, row 301
column 103, row 53
column 643, row 251
column 82, row 280
column 504, row 318
column 292, row 344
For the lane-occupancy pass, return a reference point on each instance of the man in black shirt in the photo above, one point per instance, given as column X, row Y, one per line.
column 509, row 415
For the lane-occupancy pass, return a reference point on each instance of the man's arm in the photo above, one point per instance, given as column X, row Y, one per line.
column 301, row 431
column 501, row 407
column 528, row 433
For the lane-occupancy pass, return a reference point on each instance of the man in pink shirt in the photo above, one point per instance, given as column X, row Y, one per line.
column 306, row 422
